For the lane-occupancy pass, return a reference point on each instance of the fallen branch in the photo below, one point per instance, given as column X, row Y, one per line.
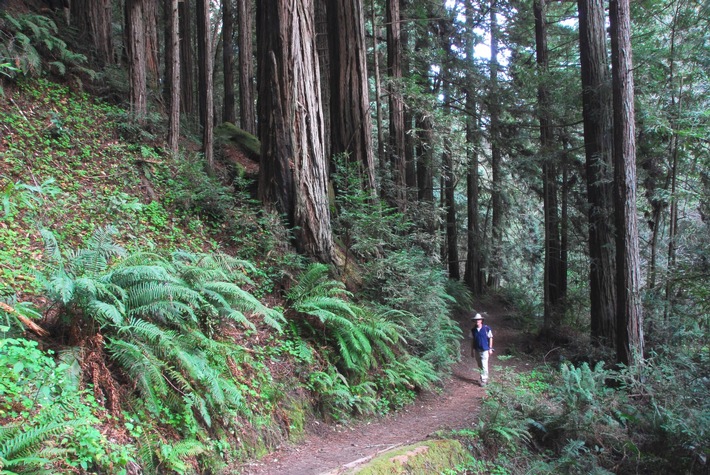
column 31, row 326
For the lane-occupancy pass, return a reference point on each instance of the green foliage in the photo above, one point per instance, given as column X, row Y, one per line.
column 338, row 398
column 247, row 142
column 48, row 422
column 193, row 190
column 410, row 281
column 675, row 420
column 364, row 341
column 31, row 43
column 155, row 316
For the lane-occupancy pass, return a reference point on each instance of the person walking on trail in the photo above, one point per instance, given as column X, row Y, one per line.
column 481, row 345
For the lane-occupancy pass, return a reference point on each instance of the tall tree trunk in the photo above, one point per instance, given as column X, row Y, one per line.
column 247, row 106
column 152, row 45
column 397, row 150
column 474, row 262
column 228, row 112
column 172, row 45
column 424, row 150
column 187, row 67
column 378, row 95
column 323, row 9
column 629, row 346
column 553, row 315
column 674, row 148
column 596, row 110
column 135, row 49
column 496, row 159
column 564, row 221
column 410, row 166
column 474, row 265
column 449, row 186
column 293, row 164
column 95, row 18
column 206, row 91
column 351, row 127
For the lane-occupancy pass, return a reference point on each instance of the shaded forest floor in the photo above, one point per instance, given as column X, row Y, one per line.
column 328, row 448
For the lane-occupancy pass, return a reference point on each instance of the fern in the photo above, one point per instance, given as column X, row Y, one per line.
column 155, row 314
column 22, row 448
column 32, row 40
column 173, row 456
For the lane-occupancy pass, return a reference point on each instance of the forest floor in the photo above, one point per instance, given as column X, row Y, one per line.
column 328, row 448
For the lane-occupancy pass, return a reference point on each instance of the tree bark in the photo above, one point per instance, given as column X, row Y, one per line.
column 293, row 166
column 397, row 150
column 247, row 106
column 351, row 126
column 596, row 110
column 323, row 40
column 474, row 260
column 629, row 347
column 378, row 95
column 95, row 18
column 552, row 296
column 206, row 87
column 136, row 52
column 172, row 44
column 496, row 159
column 187, row 83
column 228, row 112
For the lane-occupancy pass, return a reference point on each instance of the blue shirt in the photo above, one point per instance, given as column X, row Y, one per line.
column 481, row 337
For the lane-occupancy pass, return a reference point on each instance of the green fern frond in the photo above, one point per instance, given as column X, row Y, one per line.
column 86, row 286
column 102, row 242
column 146, row 293
column 239, row 317
column 173, row 456
column 314, row 282
column 148, row 331
column 128, row 275
column 51, row 246
column 149, row 259
column 60, row 67
column 166, row 311
column 143, row 367
column 105, row 313
column 24, row 444
column 61, row 287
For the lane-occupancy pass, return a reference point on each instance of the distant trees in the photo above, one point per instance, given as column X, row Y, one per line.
column 538, row 205
column 95, row 18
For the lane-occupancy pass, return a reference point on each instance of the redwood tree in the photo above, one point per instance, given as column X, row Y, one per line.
column 552, row 265
column 293, row 174
column 596, row 113
column 247, row 106
column 397, row 150
column 136, row 52
column 629, row 318
column 94, row 17
column 350, row 123
column 228, row 114
column 172, row 45
column 206, row 91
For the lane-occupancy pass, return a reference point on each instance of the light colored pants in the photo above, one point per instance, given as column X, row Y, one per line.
column 482, row 360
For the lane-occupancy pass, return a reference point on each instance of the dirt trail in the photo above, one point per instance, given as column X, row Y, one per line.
column 327, row 448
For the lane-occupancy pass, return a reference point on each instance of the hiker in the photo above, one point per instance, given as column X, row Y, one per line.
column 481, row 345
